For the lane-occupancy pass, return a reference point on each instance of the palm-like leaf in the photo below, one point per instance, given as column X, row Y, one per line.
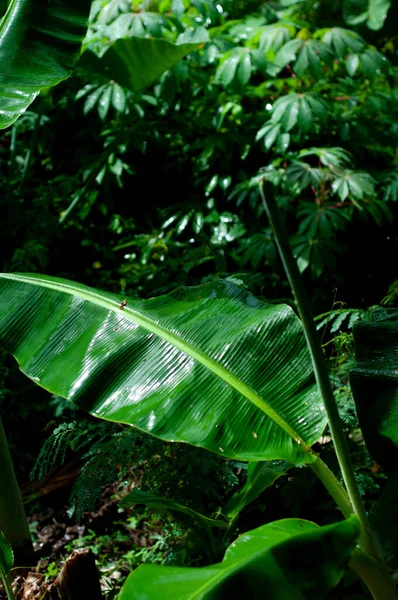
column 39, row 46
column 209, row 365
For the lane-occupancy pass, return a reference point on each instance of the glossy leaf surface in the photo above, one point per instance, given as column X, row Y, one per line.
column 291, row 559
column 209, row 365
column 39, row 46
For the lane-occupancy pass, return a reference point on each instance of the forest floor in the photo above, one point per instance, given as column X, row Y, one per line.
column 118, row 541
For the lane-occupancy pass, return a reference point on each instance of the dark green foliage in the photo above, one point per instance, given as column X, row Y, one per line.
column 110, row 452
column 139, row 193
column 375, row 386
column 291, row 89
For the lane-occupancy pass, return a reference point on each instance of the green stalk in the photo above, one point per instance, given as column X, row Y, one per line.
column 334, row 487
column 8, row 588
column 13, row 522
column 367, row 542
column 375, row 575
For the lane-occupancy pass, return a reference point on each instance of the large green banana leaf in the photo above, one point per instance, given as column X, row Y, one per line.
column 40, row 44
column 290, row 559
column 136, row 62
column 374, row 384
column 209, row 365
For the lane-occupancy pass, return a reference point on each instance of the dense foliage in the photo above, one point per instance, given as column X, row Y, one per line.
column 139, row 188
column 291, row 89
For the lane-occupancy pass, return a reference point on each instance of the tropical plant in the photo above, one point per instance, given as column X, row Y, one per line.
column 277, row 557
column 271, row 88
column 139, row 361
column 212, row 365
column 33, row 57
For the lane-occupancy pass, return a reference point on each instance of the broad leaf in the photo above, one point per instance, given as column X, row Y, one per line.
column 341, row 41
column 311, row 56
column 317, row 252
column 330, row 157
column 285, row 55
column 136, row 62
column 371, row 12
column 301, row 110
column 374, row 384
column 303, row 175
column 39, row 46
column 352, row 64
column 269, row 133
column 289, row 559
column 165, row 505
column 260, row 475
column 377, row 13
column 390, row 185
column 236, row 67
column 373, row 63
column 274, row 36
column 209, row 365
column 355, row 185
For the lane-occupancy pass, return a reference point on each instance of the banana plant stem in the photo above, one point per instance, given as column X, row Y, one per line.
column 13, row 522
column 375, row 574
column 367, row 542
column 8, row 588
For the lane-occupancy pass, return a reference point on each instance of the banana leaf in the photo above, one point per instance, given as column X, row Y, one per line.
column 291, row 559
column 40, row 44
column 209, row 365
